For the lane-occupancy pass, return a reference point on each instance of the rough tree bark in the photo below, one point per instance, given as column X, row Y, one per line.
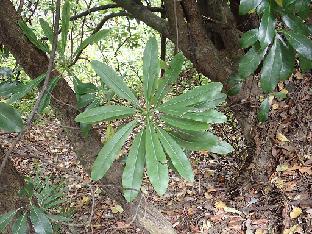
column 10, row 183
column 34, row 63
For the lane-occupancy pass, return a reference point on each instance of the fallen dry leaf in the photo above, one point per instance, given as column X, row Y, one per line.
column 117, row 209
column 295, row 213
column 281, row 137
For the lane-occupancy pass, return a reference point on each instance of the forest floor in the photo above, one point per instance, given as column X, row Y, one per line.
column 209, row 205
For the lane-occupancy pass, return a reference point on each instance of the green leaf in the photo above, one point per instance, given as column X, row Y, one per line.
column 108, row 112
column 198, row 95
column 193, row 140
column 47, row 30
column 263, row 114
column 23, row 90
column 85, row 99
column 83, row 88
column 115, row 82
column 133, row 172
column 58, row 218
column 247, row 6
column 222, row 147
column 267, row 28
column 213, row 101
column 46, row 99
column 249, row 38
column 10, row 119
column 288, row 61
column 177, row 156
column 280, row 95
column 65, row 25
column 305, row 64
column 6, row 218
column 300, row 43
column 21, row 225
column 32, row 37
column 271, row 68
column 300, row 7
column 7, row 88
column 209, row 116
column 110, row 150
column 185, row 124
column 151, row 68
column 40, row 221
column 94, row 38
column 296, row 24
column 249, row 62
column 156, row 164
column 171, row 75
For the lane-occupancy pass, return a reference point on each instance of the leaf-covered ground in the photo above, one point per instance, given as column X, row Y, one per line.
column 210, row 204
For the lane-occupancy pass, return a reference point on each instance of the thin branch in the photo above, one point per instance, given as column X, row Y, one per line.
column 93, row 9
column 98, row 28
column 109, row 6
column 34, row 111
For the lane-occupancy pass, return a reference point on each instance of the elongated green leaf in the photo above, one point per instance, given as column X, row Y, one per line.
column 58, row 218
column 6, row 218
column 271, row 68
column 10, row 119
column 94, row 38
column 156, row 165
column 133, row 172
column 7, row 88
column 247, row 6
column 176, row 154
column 209, row 116
column 305, row 64
column 108, row 112
column 110, row 150
column 20, row 226
column 185, row 124
column 46, row 99
column 222, row 147
column 83, row 88
column 288, row 61
column 296, row 24
column 40, row 221
column 212, row 102
column 195, row 140
column 267, row 27
column 32, row 37
column 171, row 75
column 264, row 110
column 151, row 68
column 115, row 82
column 249, row 38
column 198, row 95
column 47, row 30
column 22, row 90
column 85, row 99
column 249, row 62
column 300, row 43
column 65, row 25
column 300, row 7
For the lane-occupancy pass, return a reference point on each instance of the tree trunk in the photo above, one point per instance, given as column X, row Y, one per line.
column 10, row 183
column 35, row 63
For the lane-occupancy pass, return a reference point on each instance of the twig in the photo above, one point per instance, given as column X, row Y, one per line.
column 98, row 28
column 93, row 9
column 34, row 111
column 109, row 6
